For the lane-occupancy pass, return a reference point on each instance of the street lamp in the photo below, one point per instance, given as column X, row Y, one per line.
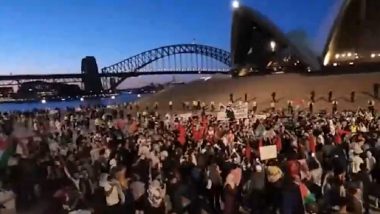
column 235, row 4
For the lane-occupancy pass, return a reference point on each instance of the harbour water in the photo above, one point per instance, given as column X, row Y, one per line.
column 68, row 103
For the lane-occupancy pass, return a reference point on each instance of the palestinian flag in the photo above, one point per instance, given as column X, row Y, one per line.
column 307, row 196
column 7, row 149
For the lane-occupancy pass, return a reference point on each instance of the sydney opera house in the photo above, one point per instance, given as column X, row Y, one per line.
column 352, row 44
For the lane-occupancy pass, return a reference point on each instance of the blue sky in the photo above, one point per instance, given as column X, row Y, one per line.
column 51, row 36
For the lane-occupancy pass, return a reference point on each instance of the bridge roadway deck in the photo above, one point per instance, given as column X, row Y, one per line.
column 78, row 76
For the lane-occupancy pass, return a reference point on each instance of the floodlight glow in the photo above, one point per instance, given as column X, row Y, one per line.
column 235, row 4
column 272, row 45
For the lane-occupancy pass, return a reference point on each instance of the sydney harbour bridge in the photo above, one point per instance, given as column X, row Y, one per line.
column 172, row 59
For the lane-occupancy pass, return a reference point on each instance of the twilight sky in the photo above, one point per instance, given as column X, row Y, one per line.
column 51, row 36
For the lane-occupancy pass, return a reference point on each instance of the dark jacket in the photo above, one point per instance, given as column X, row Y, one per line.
column 292, row 200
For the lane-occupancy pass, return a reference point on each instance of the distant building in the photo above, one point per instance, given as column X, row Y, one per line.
column 39, row 89
column 353, row 44
column 355, row 35
column 258, row 45
column 6, row 92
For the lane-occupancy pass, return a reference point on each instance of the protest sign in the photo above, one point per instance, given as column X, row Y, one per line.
column 240, row 111
column 268, row 152
column 261, row 116
column 221, row 116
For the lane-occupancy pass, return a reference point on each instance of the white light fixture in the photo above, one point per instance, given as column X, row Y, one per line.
column 113, row 97
column 205, row 78
column 273, row 45
column 335, row 64
column 235, row 4
column 63, row 99
column 351, row 63
column 82, row 99
column 373, row 55
column 344, row 55
column 43, row 101
column 337, row 56
column 349, row 54
column 139, row 95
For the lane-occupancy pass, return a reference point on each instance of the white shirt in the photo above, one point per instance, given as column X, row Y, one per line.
column 316, row 176
column 356, row 161
column 113, row 198
column 370, row 162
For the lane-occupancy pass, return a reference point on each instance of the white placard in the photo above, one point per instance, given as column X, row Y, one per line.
column 240, row 111
column 221, row 116
column 261, row 116
column 268, row 152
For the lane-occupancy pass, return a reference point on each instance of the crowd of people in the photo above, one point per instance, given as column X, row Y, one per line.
column 127, row 160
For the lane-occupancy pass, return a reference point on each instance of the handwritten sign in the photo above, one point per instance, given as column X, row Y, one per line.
column 268, row 152
column 240, row 111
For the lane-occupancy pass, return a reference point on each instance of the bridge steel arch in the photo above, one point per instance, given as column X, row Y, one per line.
column 139, row 61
